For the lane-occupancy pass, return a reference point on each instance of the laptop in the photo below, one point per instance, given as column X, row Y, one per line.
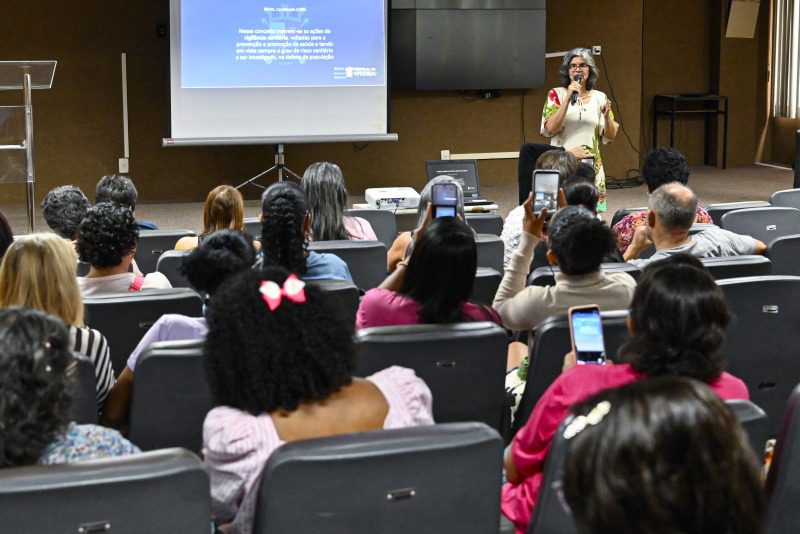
column 463, row 170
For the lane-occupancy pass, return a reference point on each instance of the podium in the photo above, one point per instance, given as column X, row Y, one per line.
column 16, row 123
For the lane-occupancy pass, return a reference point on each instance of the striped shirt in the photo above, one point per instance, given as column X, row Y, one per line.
column 94, row 346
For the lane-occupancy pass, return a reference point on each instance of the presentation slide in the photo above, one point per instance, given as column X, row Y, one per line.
column 310, row 43
column 278, row 71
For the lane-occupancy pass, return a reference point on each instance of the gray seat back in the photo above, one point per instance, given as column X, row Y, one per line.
column 485, row 223
column 784, row 253
column 737, row 266
column 169, row 264
column 343, row 295
column 383, row 223
column 487, row 280
column 754, row 422
column 764, row 224
column 490, row 251
column 463, row 364
column 387, row 481
column 159, row 491
column 365, row 259
column 153, row 243
column 787, row 198
column 783, row 481
column 83, row 388
column 170, row 397
column 125, row 317
column 716, row 211
column 762, row 346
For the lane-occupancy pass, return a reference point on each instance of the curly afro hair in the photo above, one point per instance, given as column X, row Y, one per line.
column 34, row 400
column 64, row 208
column 283, row 239
column 107, row 233
column 260, row 361
column 223, row 253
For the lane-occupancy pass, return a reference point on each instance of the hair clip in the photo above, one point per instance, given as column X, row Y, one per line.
column 39, row 354
column 579, row 423
column 273, row 294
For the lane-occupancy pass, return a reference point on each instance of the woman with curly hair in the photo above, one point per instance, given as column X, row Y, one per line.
column 661, row 455
column 280, row 365
column 224, row 208
column 38, row 271
column 285, row 233
column 107, row 241
column 35, row 356
column 678, row 317
column 323, row 185
column 221, row 255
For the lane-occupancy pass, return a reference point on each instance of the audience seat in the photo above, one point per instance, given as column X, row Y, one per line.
column 170, row 397
column 83, row 388
column 623, row 212
column 788, row 198
column 344, row 297
column 764, row 224
column 485, row 223
column 551, row 343
column 463, row 364
column 762, row 345
column 153, row 243
column 169, row 264
column 487, row 280
column 365, row 259
column 383, row 222
column 754, row 422
column 490, row 251
column 783, row 481
column 738, row 266
column 252, row 227
column 159, row 491
column 125, row 317
column 784, row 253
column 438, row 478
column 716, row 211
column 545, row 276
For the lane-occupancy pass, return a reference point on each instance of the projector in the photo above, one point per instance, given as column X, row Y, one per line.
column 392, row 198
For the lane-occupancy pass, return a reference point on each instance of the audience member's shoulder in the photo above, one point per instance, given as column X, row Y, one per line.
column 87, row 442
column 409, row 397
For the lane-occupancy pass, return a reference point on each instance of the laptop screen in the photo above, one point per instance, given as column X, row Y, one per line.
column 463, row 170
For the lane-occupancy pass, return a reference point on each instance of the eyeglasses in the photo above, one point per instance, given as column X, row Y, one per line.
column 579, row 66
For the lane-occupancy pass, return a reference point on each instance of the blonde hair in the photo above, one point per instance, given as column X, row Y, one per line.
column 224, row 208
column 39, row 271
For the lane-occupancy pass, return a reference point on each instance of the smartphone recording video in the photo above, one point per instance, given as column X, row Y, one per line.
column 444, row 198
column 545, row 190
column 586, row 332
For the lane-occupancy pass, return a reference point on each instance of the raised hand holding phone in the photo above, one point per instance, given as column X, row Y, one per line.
column 533, row 223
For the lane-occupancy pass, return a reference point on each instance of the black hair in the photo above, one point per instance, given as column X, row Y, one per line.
column 64, row 208
column 260, row 361
column 6, row 235
column 441, row 270
column 664, row 165
column 579, row 192
column 668, row 457
column 107, row 234
column 283, row 239
column 579, row 240
column 679, row 317
column 117, row 188
column 34, row 400
column 221, row 254
column 584, row 170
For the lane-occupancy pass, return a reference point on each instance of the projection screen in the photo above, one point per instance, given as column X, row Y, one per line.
column 278, row 71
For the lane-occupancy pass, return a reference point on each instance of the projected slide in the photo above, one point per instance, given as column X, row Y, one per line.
column 305, row 43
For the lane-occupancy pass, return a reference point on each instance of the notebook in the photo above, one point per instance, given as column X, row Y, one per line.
column 463, row 170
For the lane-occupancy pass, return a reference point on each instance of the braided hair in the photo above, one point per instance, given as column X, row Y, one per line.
column 283, row 238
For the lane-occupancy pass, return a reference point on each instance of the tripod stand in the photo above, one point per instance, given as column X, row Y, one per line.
column 279, row 166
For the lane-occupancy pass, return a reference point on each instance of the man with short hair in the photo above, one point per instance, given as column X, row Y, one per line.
column 672, row 210
column 663, row 165
column 119, row 189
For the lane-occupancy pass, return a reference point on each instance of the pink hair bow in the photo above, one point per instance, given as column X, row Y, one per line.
column 292, row 289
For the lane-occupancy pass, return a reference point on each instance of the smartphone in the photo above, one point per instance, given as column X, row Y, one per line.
column 545, row 190
column 586, row 332
column 588, row 161
column 444, row 198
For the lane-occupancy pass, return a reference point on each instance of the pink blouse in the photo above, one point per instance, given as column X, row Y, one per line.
column 383, row 307
column 359, row 229
column 532, row 443
column 236, row 444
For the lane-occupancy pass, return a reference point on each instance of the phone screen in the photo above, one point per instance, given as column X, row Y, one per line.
column 444, row 198
column 587, row 335
column 545, row 190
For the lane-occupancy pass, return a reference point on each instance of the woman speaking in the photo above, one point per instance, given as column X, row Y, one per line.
column 578, row 114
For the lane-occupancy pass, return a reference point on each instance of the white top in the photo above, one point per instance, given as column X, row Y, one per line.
column 117, row 283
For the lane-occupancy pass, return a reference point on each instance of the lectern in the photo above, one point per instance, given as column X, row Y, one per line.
column 16, row 123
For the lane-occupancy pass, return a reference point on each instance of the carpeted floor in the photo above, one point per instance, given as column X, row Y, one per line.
column 712, row 185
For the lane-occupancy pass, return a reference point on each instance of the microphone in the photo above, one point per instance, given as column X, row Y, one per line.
column 579, row 79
